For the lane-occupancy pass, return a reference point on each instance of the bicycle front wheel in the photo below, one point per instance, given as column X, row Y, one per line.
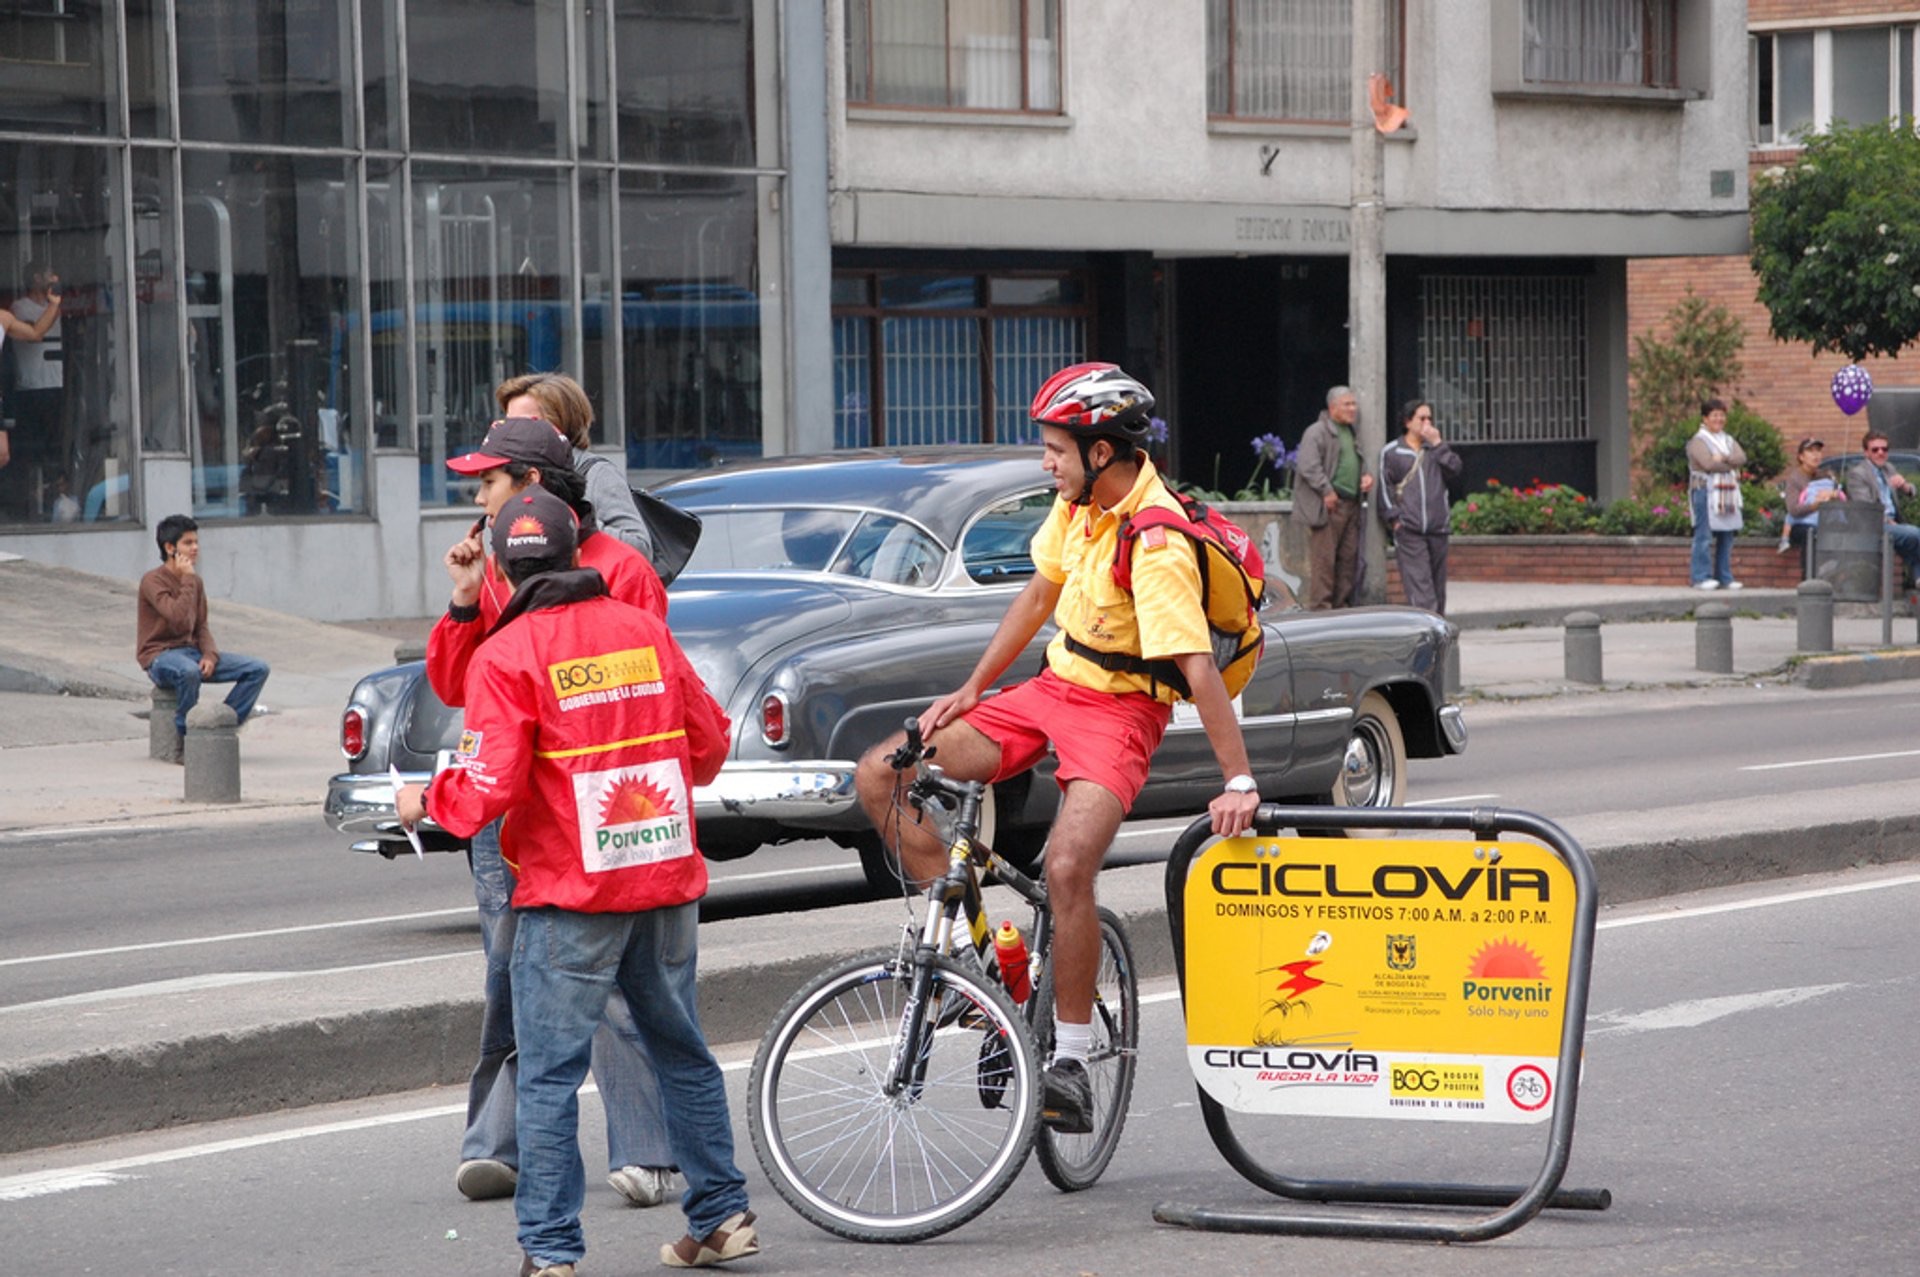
column 874, row 1167
column 1074, row 1162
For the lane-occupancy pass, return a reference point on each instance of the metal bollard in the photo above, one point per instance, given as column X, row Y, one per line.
column 163, row 738
column 1583, row 647
column 213, row 754
column 1813, row 608
column 1713, row 638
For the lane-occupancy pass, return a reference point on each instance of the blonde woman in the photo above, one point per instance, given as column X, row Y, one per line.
column 558, row 400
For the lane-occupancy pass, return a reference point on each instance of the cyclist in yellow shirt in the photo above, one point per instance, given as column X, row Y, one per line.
column 1102, row 719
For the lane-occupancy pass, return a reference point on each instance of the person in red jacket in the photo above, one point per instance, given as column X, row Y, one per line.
column 518, row 455
column 587, row 730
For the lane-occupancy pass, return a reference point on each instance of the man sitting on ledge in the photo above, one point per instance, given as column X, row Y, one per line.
column 174, row 645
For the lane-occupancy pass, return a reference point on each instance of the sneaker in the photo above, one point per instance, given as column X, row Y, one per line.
column 485, row 1178
column 1733, row 585
column 1706, row 585
column 531, row 1267
column 734, row 1239
column 1066, row 1098
column 643, row 1185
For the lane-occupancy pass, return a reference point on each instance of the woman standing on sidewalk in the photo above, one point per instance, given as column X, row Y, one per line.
column 1714, row 459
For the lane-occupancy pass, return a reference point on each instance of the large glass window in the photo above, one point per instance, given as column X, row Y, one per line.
column 1858, row 74
column 66, row 398
column 959, row 354
column 686, row 80
column 156, row 297
column 270, row 72
column 149, row 96
column 1629, row 42
column 57, row 71
column 1288, row 59
column 493, row 298
column 272, row 255
column 983, row 55
column 387, row 285
column 690, row 305
column 488, row 76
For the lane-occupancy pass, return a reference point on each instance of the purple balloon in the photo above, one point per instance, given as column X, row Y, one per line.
column 1852, row 387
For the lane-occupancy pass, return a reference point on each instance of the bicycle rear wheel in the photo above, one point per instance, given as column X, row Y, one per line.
column 1074, row 1162
column 862, row 1164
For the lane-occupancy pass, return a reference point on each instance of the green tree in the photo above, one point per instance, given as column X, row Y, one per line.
column 1672, row 375
column 1836, row 242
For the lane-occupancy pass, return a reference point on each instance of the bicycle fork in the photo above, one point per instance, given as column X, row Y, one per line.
column 911, row 1046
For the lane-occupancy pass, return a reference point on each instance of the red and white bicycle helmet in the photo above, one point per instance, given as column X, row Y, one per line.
column 1093, row 400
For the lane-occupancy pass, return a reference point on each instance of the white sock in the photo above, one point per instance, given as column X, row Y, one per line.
column 1071, row 1041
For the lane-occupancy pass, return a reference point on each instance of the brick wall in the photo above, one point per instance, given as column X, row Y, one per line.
column 1763, row 12
column 1594, row 560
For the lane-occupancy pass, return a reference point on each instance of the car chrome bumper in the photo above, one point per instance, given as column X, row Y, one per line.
column 1454, row 725
column 805, row 793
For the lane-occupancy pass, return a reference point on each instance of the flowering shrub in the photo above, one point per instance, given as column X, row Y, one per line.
column 1548, row 509
column 1542, row 510
column 1271, row 461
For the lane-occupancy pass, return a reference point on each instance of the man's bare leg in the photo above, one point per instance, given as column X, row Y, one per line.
column 961, row 752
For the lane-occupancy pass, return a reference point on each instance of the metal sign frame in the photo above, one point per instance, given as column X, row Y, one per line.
column 1519, row 1203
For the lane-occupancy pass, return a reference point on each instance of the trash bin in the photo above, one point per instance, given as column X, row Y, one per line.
column 1846, row 550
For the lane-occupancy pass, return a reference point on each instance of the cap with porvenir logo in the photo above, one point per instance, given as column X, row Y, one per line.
column 534, row 525
column 527, row 440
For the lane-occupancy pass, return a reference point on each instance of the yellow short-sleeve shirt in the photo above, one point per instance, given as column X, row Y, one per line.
column 1163, row 617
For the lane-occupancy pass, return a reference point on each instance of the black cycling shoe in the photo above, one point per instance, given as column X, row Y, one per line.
column 1066, row 1098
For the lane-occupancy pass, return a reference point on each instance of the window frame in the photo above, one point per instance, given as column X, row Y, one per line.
column 1763, row 62
column 853, row 15
column 1396, row 37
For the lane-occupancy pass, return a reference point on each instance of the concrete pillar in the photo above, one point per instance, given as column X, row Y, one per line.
column 1813, row 609
column 213, row 754
column 1713, row 638
column 163, row 740
column 1583, row 647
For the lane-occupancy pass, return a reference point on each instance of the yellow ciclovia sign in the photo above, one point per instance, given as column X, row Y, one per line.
column 1378, row 978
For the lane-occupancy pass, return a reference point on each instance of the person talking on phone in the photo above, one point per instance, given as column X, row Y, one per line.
column 174, row 645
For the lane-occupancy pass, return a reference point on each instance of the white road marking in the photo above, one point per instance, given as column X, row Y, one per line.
column 234, row 935
column 1692, row 1014
column 794, row 872
column 218, row 980
column 96, row 830
column 104, row 1174
column 1823, row 762
column 1448, row 802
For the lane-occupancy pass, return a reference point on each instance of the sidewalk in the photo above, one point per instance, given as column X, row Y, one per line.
column 75, row 753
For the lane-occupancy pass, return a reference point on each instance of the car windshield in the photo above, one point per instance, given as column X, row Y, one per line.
column 869, row 546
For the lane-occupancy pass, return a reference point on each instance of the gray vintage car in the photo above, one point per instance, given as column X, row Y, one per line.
column 832, row 596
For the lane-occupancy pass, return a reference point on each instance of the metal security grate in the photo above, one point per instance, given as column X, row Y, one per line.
column 932, row 379
column 1504, row 358
column 1026, row 351
column 852, row 375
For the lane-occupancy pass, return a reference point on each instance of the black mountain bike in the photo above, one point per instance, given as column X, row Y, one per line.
column 896, row 1096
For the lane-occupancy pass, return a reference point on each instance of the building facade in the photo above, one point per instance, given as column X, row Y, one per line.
column 301, row 240
column 1812, row 64
column 1167, row 186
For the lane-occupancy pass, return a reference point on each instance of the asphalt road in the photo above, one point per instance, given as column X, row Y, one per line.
column 1747, row 1100
column 134, row 906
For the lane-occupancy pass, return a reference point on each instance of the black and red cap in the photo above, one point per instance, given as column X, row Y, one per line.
column 527, row 440
column 534, row 525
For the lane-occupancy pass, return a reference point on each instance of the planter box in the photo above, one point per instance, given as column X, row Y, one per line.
column 1598, row 560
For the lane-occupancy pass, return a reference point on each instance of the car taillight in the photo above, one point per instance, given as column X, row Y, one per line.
column 353, row 735
column 773, row 719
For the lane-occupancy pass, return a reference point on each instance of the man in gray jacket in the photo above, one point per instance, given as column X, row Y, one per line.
column 1331, row 484
column 1414, row 472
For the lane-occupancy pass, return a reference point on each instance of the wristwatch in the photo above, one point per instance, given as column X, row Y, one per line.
column 1241, row 784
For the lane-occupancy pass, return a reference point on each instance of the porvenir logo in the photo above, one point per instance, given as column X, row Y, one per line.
column 1506, row 970
column 635, row 813
column 526, row 530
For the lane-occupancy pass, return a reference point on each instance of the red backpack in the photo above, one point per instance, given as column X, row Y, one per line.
column 1233, row 579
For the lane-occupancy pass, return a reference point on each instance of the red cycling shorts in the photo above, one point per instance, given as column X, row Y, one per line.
column 1105, row 737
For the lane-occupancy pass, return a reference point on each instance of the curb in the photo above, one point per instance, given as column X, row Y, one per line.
column 1857, row 669
column 92, row 1095
column 1765, row 602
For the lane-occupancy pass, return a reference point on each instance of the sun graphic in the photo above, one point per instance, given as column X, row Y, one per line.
column 525, row 526
column 1505, row 959
column 629, row 799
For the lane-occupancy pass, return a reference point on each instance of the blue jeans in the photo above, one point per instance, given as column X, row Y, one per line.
column 1720, row 568
column 629, row 1090
column 565, row 965
column 179, row 669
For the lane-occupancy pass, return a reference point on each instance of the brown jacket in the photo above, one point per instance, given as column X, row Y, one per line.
column 173, row 613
